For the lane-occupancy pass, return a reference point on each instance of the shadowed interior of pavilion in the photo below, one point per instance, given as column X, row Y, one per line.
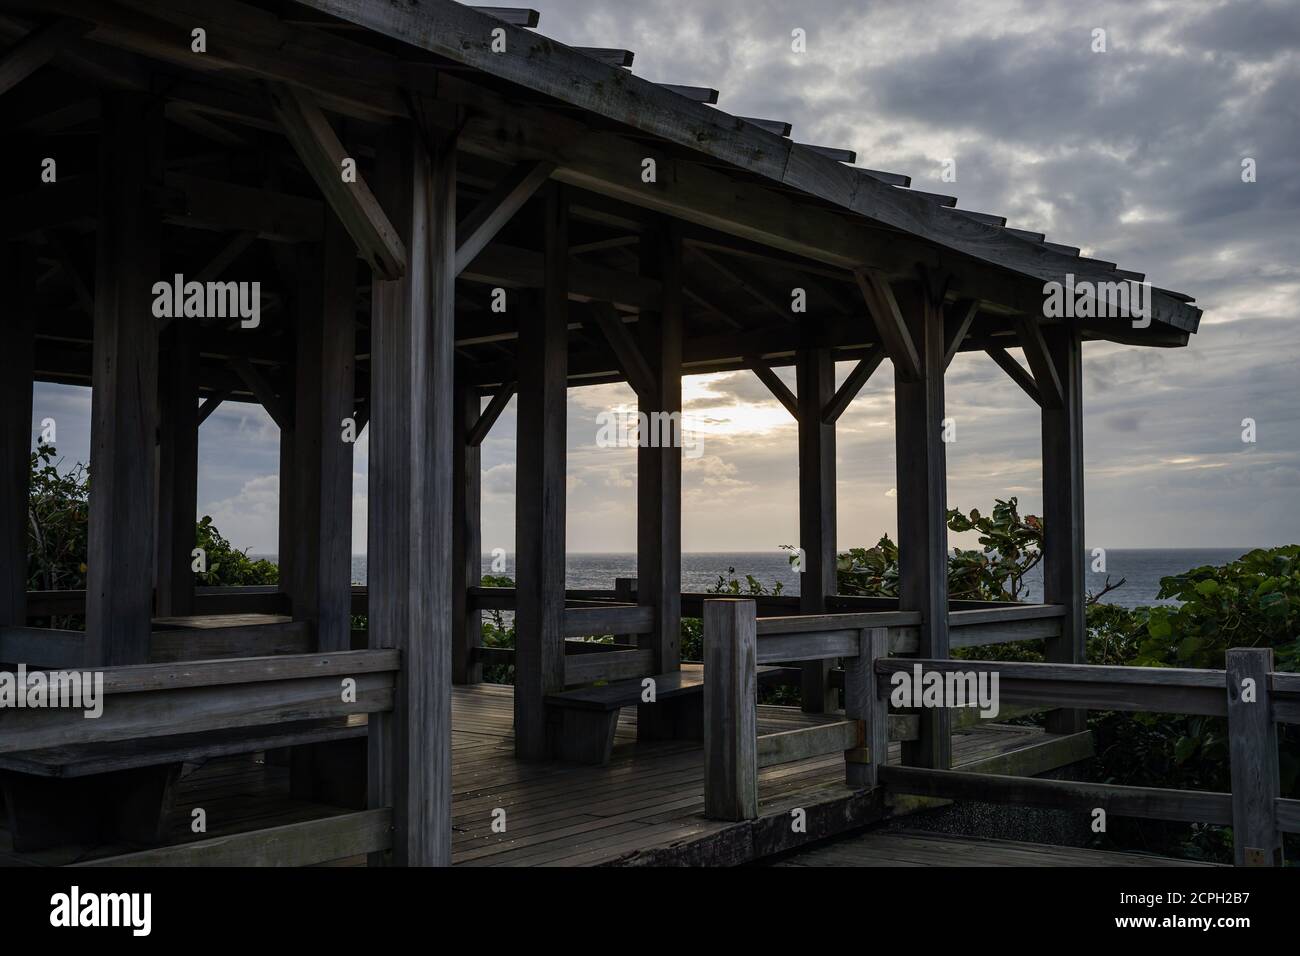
column 479, row 169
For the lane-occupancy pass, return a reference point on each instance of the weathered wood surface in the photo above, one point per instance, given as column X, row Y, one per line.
column 659, row 461
column 597, row 621
column 324, row 383
column 87, row 759
column 919, row 848
column 124, row 392
column 17, row 343
column 730, row 698
column 1058, row 356
column 789, row 745
column 1253, row 758
column 540, row 489
column 178, row 462
column 211, row 695
column 920, row 462
column 295, row 844
column 1173, row 690
column 644, row 807
column 410, row 522
column 467, row 530
column 1191, row 806
column 617, row 665
column 815, row 382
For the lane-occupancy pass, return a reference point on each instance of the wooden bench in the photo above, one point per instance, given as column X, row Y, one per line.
column 124, row 791
column 586, row 718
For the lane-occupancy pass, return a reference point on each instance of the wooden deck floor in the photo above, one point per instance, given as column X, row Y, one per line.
column 645, row 807
column 918, row 848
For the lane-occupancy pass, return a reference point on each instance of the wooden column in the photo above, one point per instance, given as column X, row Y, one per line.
column 540, row 491
column 659, row 469
column 923, row 506
column 410, row 554
column 815, row 381
column 17, row 278
column 1063, row 549
column 1253, row 758
column 730, row 710
column 286, row 534
column 178, row 467
column 124, row 382
column 324, row 382
column 467, row 506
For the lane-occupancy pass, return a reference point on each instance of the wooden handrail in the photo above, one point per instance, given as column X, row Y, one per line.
column 152, row 700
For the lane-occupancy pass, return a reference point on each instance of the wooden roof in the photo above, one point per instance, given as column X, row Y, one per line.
column 764, row 214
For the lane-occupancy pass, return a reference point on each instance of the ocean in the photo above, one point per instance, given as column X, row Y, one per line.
column 1141, row 570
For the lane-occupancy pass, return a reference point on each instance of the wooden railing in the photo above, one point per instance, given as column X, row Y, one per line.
column 1248, row 693
column 1252, row 697
column 736, row 642
column 151, row 702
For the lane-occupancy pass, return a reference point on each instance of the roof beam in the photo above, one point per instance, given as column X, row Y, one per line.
column 608, row 56
column 211, row 403
column 510, row 266
column 697, row 94
column 778, row 388
column 36, row 49
column 630, row 360
column 852, row 385
column 230, row 250
column 317, row 145
column 1016, row 371
column 1040, row 361
column 891, row 328
column 488, row 417
column 779, row 127
column 515, row 16
column 833, row 152
column 753, row 291
column 960, row 316
column 497, row 208
column 276, row 406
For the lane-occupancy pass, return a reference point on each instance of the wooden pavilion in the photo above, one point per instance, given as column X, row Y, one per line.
column 391, row 174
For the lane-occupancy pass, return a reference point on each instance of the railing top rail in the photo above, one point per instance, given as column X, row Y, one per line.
column 133, row 678
column 1078, row 673
column 995, row 615
column 853, row 620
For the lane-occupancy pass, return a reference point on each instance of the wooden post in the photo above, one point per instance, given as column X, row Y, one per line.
column 467, row 505
column 410, row 553
column 1253, row 758
column 324, row 386
column 863, row 701
column 17, row 277
column 178, row 467
column 285, row 547
column 923, row 506
column 730, row 710
column 540, row 492
column 124, row 383
column 659, row 461
column 1063, row 548
column 815, row 380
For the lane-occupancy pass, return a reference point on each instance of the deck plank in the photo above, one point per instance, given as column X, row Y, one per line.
column 649, row 799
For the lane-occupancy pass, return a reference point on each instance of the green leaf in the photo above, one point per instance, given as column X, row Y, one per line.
column 1185, row 747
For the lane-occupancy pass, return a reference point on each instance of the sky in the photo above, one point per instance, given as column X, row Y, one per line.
column 1134, row 154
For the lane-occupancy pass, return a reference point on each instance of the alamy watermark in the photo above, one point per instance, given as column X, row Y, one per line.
column 1085, row 299
column 921, row 688
column 208, row 300
column 627, row 429
column 76, row 690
